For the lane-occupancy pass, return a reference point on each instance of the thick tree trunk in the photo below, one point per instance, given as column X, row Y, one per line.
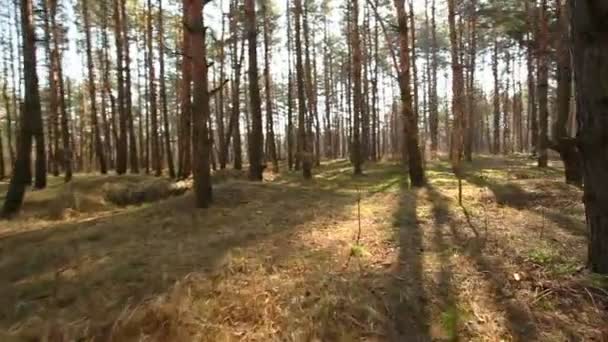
column 185, row 136
column 458, row 98
column 590, row 54
column 31, row 121
column 200, row 103
column 357, row 153
column 410, row 125
column 303, row 153
column 270, row 139
column 289, row 134
column 256, row 141
column 562, row 142
column 121, row 143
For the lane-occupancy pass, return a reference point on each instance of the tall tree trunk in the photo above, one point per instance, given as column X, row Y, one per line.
column 289, row 134
column 133, row 161
column 220, row 100
column 530, row 50
column 99, row 152
column 31, row 121
column 163, row 90
column 543, row 84
column 433, row 98
column 473, row 119
column 303, row 146
column 459, row 120
column 410, row 126
column 357, row 153
column 121, row 143
column 562, row 142
column 200, row 103
column 590, row 53
column 496, row 135
column 256, row 141
column 156, row 160
column 270, row 139
column 185, row 136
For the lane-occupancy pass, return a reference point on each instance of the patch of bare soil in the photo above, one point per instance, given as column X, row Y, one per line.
column 280, row 260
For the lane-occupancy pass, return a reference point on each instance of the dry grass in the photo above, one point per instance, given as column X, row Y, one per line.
column 279, row 261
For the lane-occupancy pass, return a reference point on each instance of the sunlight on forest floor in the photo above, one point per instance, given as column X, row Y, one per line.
column 279, row 260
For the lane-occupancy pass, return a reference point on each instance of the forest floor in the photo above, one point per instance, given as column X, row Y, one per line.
column 279, row 260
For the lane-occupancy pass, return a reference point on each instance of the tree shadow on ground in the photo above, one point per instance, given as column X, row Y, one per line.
column 544, row 201
column 520, row 322
column 93, row 268
column 406, row 292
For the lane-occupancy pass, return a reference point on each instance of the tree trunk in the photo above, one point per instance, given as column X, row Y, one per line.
column 289, row 133
column 99, row 152
column 543, row 84
column 133, row 161
column 185, row 136
column 121, row 143
column 256, row 141
column 357, row 153
column 270, row 139
column 410, row 125
column 459, row 121
column 590, row 53
column 433, row 98
column 303, row 147
column 562, row 142
column 496, row 135
column 200, row 103
column 155, row 145
column 31, row 121
column 163, row 91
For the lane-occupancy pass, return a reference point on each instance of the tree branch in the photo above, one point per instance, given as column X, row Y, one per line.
column 212, row 92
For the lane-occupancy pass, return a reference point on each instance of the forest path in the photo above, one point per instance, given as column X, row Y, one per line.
column 280, row 260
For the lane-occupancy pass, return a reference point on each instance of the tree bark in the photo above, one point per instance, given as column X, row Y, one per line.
column 31, row 121
column 256, row 141
column 270, row 139
column 410, row 126
column 357, row 153
column 200, row 104
column 543, row 84
column 303, row 152
column 562, row 142
column 590, row 53
column 163, row 91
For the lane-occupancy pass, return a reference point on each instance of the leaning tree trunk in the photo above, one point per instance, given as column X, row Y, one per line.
column 590, row 54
